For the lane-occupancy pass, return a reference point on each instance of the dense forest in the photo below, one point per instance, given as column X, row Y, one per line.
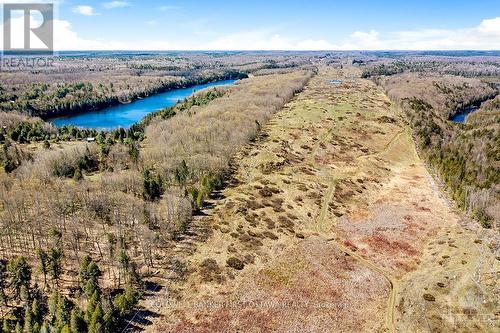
column 444, row 65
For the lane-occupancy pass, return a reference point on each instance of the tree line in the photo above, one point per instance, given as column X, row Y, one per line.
column 463, row 155
column 48, row 100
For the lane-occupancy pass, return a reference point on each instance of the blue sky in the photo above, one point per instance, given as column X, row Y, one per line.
column 291, row 24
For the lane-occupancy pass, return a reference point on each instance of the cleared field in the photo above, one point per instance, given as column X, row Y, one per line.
column 455, row 289
column 330, row 223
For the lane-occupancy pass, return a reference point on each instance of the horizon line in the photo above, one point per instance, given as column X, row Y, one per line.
column 246, row 50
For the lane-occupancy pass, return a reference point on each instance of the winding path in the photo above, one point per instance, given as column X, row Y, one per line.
column 393, row 282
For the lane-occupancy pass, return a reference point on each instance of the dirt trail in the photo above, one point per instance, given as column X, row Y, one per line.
column 331, row 220
column 391, row 301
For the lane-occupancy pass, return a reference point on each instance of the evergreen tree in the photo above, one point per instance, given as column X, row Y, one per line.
column 63, row 312
column 83, row 275
column 89, row 276
column 6, row 326
column 96, row 321
column 94, row 301
column 53, row 301
column 153, row 187
column 77, row 322
column 25, row 294
column 36, row 328
column 3, row 281
column 36, row 313
column 182, row 173
column 125, row 302
column 124, row 261
column 134, row 278
column 110, row 318
column 43, row 261
column 20, row 274
column 28, row 320
column 60, row 310
column 55, row 264
column 109, row 322
column 45, row 328
column 19, row 328
column 133, row 151
column 66, row 329
column 91, row 287
column 77, row 175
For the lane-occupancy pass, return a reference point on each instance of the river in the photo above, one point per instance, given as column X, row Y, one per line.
column 462, row 115
column 125, row 115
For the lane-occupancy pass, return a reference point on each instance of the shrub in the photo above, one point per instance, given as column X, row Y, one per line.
column 235, row 263
column 125, row 302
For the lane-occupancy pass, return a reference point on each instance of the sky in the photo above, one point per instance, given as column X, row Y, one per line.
column 275, row 25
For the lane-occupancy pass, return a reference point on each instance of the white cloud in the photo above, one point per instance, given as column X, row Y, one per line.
column 484, row 36
column 490, row 26
column 84, row 10
column 116, row 4
column 313, row 44
column 67, row 39
column 258, row 39
column 263, row 40
column 369, row 39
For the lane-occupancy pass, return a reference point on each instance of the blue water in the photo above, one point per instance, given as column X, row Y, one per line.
column 125, row 115
column 461, row 116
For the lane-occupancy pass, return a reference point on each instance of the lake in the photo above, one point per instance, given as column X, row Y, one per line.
column 462, row 115
column 125, row 115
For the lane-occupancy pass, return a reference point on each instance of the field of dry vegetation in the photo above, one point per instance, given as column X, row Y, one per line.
column 331, row 222
column 294, row 200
